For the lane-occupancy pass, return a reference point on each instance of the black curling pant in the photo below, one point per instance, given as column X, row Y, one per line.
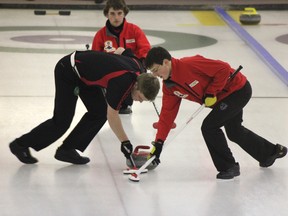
column 66, row 81
column 228, row 113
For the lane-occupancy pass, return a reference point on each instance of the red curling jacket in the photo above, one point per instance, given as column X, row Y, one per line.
column 130, row 37
column 192, row 78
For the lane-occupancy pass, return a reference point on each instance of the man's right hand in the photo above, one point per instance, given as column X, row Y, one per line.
column 156, row 150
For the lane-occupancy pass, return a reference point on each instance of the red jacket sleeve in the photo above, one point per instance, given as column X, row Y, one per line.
column 142, row 44
column 98, row 40
column 169, row 111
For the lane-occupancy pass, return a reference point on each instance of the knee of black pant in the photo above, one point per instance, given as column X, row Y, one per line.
column 210, row 130
column 95, row 117
column 63, row 126
column 233, row 134
column 205, row 128
column 99, row 119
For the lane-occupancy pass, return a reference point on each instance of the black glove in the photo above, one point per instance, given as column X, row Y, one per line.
column 156, row 150
column 126, row 148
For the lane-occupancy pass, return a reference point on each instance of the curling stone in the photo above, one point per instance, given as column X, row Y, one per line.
column 250, row 17
column 64, row 13
column 139, row 156
column 99, row 1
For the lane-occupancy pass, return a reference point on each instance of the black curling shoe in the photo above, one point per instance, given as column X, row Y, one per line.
column 280, row 151
column 22, row 153
column 229, row 173
column 70, row 156
column 126, row 110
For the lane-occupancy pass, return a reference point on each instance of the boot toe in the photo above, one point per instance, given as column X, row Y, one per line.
column 70, row 156
column 22, row 153
column 280, row 151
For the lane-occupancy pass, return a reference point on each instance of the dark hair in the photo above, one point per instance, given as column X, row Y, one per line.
column 116, row 5
column 148, row 85
column 156, row 56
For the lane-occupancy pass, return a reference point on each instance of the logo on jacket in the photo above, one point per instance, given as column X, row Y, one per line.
column 194, row 83
column 108, row 46
column 179, row 94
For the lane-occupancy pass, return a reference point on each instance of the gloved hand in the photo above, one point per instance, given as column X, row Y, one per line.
column 126, row 148
column 209, row 100
column 156, row 150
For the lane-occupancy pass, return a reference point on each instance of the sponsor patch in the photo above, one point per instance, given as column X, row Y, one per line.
column 194, row 83
column 130, row 40
column 223, row 106
column 179, row 94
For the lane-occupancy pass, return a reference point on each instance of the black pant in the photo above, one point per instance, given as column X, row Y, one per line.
column 228, row 113
column 66, row 83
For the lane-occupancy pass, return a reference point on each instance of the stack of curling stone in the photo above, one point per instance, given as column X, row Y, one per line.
column 139, row 156
column 250, row 17
column 44, row 12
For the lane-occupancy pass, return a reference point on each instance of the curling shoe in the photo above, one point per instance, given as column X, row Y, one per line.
column 22, row 153
column 230, row 173
column 126, row 110
column 280, row 151
column 70, row 156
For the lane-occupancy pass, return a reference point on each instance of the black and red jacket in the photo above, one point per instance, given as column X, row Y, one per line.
column 116, row 73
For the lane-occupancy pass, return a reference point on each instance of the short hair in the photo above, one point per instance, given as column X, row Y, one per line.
column 148, row 85
column 116, row 5
column 156, row 55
